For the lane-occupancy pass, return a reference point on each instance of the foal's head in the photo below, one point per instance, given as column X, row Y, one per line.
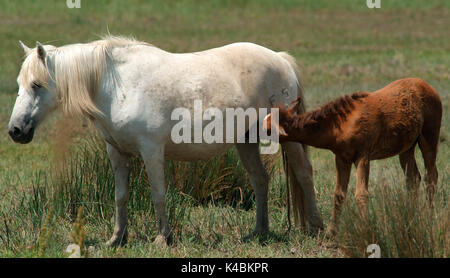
column 36, row 96
column 327, row 116
column 286, row 120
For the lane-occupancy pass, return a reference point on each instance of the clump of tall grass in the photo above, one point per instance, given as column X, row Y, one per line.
column 400, row 224
column 220, row 180
column 27, row 226
column 45, row 234
column 84, row 179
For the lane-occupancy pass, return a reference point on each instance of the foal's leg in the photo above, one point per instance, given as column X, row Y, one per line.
column 409, row 166
column 153, row 156
column 343, row 170
column 362, row 185
column 428, row 147
column 120, row 166
column 301, row 167
column 259, row 180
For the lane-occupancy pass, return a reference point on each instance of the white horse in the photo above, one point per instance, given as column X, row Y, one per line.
column 128, row 89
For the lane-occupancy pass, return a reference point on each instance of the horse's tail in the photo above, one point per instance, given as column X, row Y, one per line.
column 294, row 189
column 291, row 60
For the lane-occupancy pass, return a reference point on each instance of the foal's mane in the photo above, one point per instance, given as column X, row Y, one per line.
column 331, row 112
column 77, row 70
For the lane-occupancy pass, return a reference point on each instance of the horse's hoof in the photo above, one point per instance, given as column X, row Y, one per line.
column 314, row 230
column 253, row 235
column 116, row 241
column 316, row 225
column 113, row 242
column 160, row 241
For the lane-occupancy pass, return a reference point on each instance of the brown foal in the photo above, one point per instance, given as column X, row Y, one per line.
column 366, row 126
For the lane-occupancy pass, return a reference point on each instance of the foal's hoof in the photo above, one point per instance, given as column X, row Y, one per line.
column 331, row 233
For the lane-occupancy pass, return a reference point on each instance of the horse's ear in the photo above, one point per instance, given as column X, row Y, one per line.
column 25, row 48
column 293, row 107
column 41, row 52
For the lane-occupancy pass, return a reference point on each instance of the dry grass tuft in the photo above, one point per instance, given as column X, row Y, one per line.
column 403, row 226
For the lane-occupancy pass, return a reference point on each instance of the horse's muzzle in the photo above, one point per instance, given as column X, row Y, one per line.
column 21, row 136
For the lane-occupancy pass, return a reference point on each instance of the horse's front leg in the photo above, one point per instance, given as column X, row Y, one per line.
column 153, row 156
column 343, row 170
column 120, row 165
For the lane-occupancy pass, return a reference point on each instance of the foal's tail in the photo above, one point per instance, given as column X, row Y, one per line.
column 294, row 189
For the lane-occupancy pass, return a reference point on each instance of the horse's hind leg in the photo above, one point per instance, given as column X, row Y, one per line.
column 428, row 144
column 409, row 166
column 259, row 180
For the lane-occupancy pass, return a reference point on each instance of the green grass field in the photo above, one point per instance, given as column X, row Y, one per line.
column 341, row 47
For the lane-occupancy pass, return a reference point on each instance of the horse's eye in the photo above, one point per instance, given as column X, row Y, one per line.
column 36, row 85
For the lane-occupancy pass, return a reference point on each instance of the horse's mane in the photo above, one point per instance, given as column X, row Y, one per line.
column 331, row 112
column 117, row 41
column 78, row 70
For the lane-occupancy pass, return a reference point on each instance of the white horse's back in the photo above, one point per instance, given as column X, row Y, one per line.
column 154, row 83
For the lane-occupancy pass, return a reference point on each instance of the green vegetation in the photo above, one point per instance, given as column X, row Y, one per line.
column 341, row 47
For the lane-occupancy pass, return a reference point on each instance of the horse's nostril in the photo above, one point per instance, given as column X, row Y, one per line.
column 16, row 131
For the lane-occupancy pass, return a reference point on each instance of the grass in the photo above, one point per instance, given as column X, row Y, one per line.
column 341, row 46
column 401, row 226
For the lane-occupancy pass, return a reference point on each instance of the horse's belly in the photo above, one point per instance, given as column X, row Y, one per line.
column 395, row 143
column 189, row 152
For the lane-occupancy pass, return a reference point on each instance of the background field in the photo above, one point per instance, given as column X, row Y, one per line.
column 341, row 46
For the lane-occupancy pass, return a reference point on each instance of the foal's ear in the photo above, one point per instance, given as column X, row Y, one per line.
column 295, row 105
column 281, row 130
column 25, row 48
column 273, row 127
column 41, row 52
